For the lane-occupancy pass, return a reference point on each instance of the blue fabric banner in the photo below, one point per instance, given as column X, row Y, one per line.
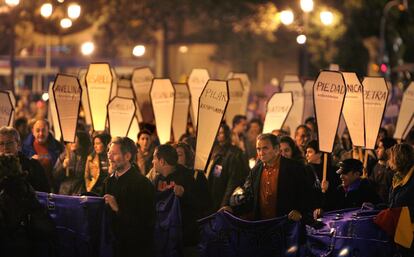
column 168, row 225
column 80, row 223
column 224, row 235
column 349, row 232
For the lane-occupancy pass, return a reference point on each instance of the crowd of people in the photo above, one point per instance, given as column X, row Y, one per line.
column 252, row 175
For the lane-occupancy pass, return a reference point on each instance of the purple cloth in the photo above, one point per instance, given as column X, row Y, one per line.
column 224, row 235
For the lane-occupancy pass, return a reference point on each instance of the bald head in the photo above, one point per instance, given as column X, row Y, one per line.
column 40, row 131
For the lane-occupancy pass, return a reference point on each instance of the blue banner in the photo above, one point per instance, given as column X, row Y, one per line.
column 168, row 225
column 224, row 235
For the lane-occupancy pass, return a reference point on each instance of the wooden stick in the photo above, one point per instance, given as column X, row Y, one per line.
column 364, row 170
column 325, row 165
column 361, row 154
column 68, row 157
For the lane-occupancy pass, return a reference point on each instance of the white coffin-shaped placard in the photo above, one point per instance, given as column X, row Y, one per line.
column 246, row 90
column 277, row 110
column 294, row 118
column 196, row 83
column 308, row 110
column 121, row 111
column 406, row 111
column 353, row 111
column 134, row 129
column 13, row 101
column 99, row 83
column 6, row 108
column 162, row 98
column 409, row 127
column 212, row 107
column 85, row 98
column 124, row 89
column 328, row 94
column 141, row 83
column 236, row 100
column 67, row 92
column 181, row 110
column 375, row 99
column 53, row 113
column 114, row 88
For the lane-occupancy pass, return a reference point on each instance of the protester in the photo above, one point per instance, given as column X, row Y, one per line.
column 173, row 176
column 228, row 168
column 131, row 199
column 288, row 149
column 186, row 159
column 145, row 151
column 254, row 129
column 381, row 176
column 34, row 172
column 310, row 122
column 40, row 145
column 97, row 165
column 69, row 169
column 274, row 187
column 302, row 137
column 354, row 190
column 238, row 131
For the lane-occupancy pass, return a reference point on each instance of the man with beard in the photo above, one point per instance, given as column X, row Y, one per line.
column 131, row 198
column 381, row 176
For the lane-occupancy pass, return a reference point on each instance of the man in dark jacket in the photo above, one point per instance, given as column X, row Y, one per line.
column 174, row 176
column 40, row 145
column 35, row 174
column 131, row 199
column 354, row 190
column 274, row 187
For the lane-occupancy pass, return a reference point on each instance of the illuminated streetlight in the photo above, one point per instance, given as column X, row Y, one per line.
column 138, row 51
column 183, row 49
column 301, row 39
column 87, row 48
column 46, row 10
column 286, row 17
column 306, row 5
column 326, row 17
column 65, row 23
column 74, row 11
column 12, row 3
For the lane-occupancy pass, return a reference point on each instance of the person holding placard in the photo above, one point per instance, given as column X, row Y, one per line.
column 288, row 149
column 40, row 145
column 302, row 137
column 254, row 129
column 354, row 190
column 131, row 199
column 381, row 175
column 238, row 131
column 228, row 168
column 145, row 151
column 275, row 186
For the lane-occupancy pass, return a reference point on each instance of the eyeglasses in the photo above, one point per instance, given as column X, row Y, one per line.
column 7, row 144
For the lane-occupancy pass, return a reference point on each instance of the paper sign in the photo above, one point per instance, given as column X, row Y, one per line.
column 125, row 89
column 406, row 111
column 181, row 110
column 235, row 102
column 375, row 99
column 278, row 108
column 328, row 94
column 409, row 127
column 121, row 111
column 134, row 129
column 246, row 90
column 162, row 98
column 294, row 118
column 85, row 98
column 212, row 107
column 353, row 110
column 53, row 113
column 308, row 110
column 334, row 67
column 114, row 88
column 67, row 93
column 6, row 108
column 141, row 83
column 196, row 83
column 98, row 83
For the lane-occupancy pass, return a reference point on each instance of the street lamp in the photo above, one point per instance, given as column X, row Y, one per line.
column 306, row 5
column 65, row 23
column 326, row 18
column 87, row 48
column 74, row 11
column 138, row 51
column 12, row 3
column 287, row 17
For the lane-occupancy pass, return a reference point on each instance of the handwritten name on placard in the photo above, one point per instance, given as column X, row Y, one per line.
column 68, row 92
column 328, row 87
column 278, row 108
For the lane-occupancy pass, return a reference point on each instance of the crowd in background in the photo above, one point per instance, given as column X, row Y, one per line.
column 95, row 164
